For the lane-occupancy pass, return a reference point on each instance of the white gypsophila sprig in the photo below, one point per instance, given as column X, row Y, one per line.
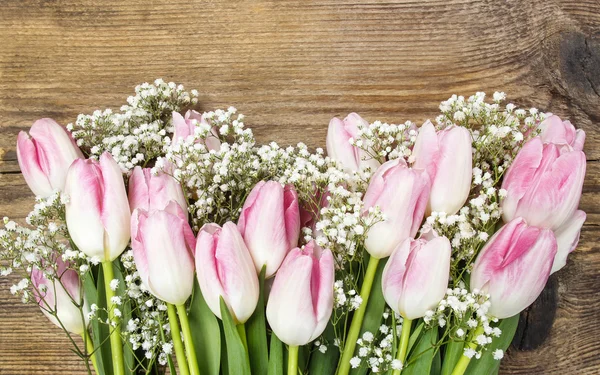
column 384, row 141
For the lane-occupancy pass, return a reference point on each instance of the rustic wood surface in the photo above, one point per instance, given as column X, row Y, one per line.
column 290, row 67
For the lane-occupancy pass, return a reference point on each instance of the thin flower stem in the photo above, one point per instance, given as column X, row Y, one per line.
column 403, row 345
column 464, row 361
column 188, row 340
column 116, row 345
column 241, row 328
column 357, row 319
column 90, row 350
column 292, row 360
column 177, row 344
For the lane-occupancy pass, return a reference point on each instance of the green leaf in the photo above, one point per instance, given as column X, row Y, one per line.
column 237, row 357
column 414, row 337
column 276, row 356
column 373, row 314
column 436, row 365
column 205, row 334
column 128, row 354
column 421, row 358
column 91, row 295
column 487, row 364
column 100, row 331
column 256, row 329
column 325, row 363
column 452, row 353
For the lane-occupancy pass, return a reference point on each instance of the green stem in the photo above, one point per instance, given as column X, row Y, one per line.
column 177, row 344
column 464, row 361
column 89, row 347
column 187, row 339
column 357, row 319
column 241, row 328
column 403, row 345
column 292, row 360
column 116, row 345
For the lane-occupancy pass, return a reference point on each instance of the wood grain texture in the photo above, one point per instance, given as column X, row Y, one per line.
column 290, row 66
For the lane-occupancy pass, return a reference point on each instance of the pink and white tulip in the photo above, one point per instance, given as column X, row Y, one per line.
column 554, row 130
column 61, row 296
column 301, row 299
column 415, row 277
column 567, row 238
column 186, row 126
column 45, row 155
column 513, row 267
column 270, row 224
column 163, row 249
column 225, row 269
column 544, row 184
column 401, row 193
column 339, row 134
column 448, row 159
column 97, row 209
column 154, row 192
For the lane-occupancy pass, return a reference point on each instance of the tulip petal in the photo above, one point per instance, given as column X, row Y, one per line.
column 292, row 215
column 567, row 238
column 322, row 289
column 426, row 150
column 29, row 163
column 393, row 275
column 208, row 276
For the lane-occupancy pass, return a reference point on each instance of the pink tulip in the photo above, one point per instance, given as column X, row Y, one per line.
column 352, row 158
column 567, row 238
column 225, row 269
column 163, row 249
column 61, row 294
column 186, row 126
column 513, row 267
column 401, row 193
column 270, row 223
column 544, row 184
column 554, row 130
column 97, row 210
column 415, row 278
column 447, row 158
column 46, row 156
column 154, row 192
column 301, row 299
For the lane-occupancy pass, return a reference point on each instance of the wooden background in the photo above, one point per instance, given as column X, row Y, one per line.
column 290, row 67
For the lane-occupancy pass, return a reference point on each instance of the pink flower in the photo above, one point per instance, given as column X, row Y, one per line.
column 447, row 158
column 163, row 249
column 401, row 193
column 567, row 238
column 270, row 223
column 514, row 266
column 61, row 294
column 301, row 299
column 154, row 192
column 339, row 134
column 415, row 277
column 186, row 126
column 554, row 130
column 46, row 156
column 97, row 210
column 544, row 184
column 225, row 269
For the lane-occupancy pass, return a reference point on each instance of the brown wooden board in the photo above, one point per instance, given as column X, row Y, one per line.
column 290, row 66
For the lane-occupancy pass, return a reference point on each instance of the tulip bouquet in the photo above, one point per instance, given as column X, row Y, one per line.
column 174, row 241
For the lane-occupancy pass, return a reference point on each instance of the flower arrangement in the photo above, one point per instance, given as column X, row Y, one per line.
column 170, row 240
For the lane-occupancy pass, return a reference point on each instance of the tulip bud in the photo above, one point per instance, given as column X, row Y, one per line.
column 415, row 278
column 401, row 193
column 186, row 126
column 61, row 294
column 447, row 158
column 163, row 250
column 567, row 238
column 270, row 224
column 513, row 267
column 339, row 134
column 46, row 156
column 97, row 210
column 544, row 184
column 225, row 269
column 554, row 130
column 153, row 192
column 301, row 299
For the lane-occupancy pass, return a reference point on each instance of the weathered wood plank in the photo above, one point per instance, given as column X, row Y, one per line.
column 290, row 66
